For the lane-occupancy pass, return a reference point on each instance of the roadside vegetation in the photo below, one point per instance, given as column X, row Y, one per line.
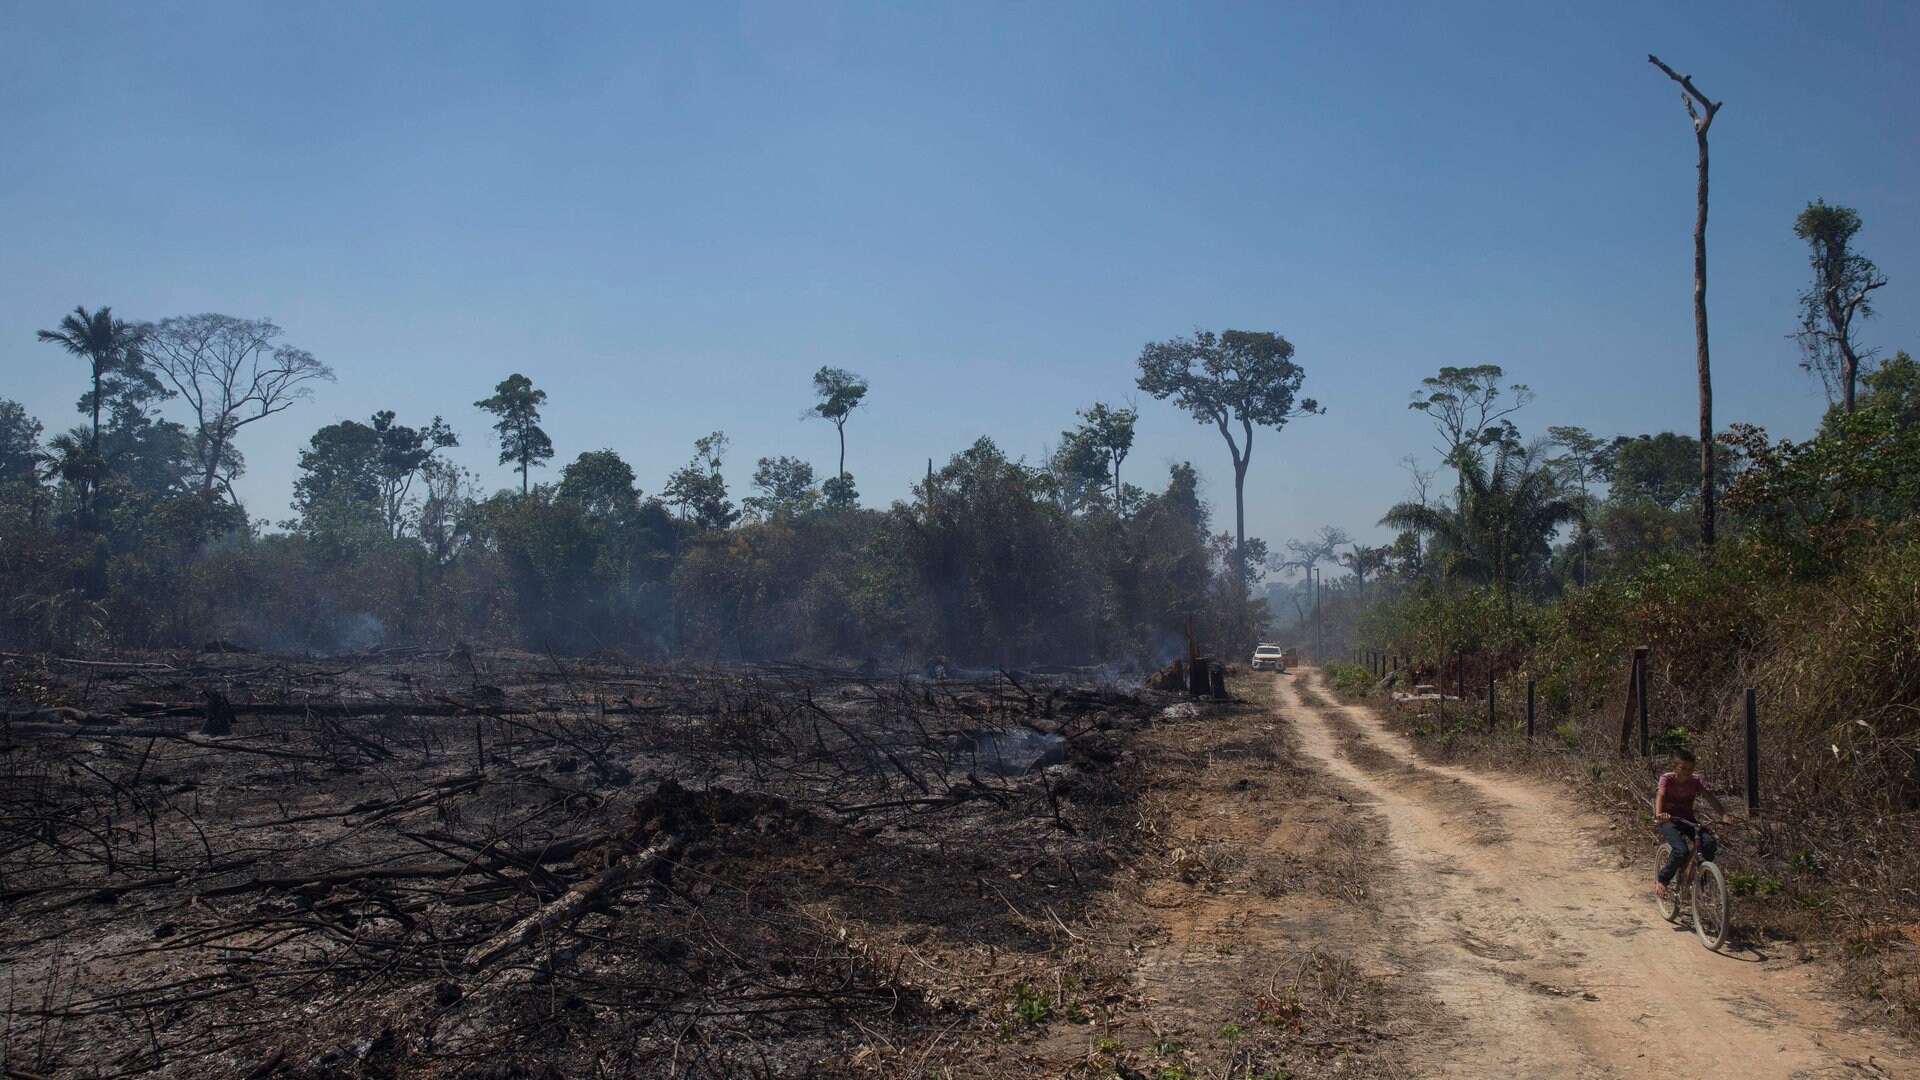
column 1551, row 558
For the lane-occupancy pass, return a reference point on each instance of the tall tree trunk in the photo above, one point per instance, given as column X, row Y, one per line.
column 1702, row 120
column 216, row 449
column 1700, row 344
column 842, row 429
column 93, row 440
column 1849, row 361
column 1240, row 514
column 1241, row 456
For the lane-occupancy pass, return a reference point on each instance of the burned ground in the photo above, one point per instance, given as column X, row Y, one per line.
column 815, row 863
column 498, row 864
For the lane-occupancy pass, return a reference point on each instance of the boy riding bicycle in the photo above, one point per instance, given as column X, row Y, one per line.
column 1673, row 811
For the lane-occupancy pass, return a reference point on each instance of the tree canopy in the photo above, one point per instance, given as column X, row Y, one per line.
column 1236, row 380
column 231, row 373
column 522, row 443
column 1842, row 288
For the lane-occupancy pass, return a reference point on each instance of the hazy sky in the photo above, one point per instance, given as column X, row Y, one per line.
column 669, row 216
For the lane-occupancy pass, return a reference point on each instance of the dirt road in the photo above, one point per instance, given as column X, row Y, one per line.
column 1545, row 947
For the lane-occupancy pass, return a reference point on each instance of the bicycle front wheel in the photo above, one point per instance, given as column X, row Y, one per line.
column 1670, row 904
column 1710, row 906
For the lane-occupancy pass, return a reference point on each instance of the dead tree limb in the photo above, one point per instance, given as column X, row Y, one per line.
column 574, row 904
column 96, row 731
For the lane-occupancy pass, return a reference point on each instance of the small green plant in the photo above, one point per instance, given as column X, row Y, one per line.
column 1811, row 902
column 1164, row 1046
column 1107, row 1045
column 1805, row 861
column 1030, row 1005
column 1274, row 1073
column 1674, row 738
column 1751, row 885
column 1231, row 1032
column 1569, row 733
column 1174, row 1072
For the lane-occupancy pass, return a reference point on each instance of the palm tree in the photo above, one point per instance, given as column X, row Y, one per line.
column 1364, row 560
column 108, row 344
column 1501, row 531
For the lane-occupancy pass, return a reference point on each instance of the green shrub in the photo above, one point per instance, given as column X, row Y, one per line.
column 1350, row 678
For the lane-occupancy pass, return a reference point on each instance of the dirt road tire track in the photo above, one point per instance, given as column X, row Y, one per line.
column 1551, row 952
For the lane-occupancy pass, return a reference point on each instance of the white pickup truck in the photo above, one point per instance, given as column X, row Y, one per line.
column 1268, row 656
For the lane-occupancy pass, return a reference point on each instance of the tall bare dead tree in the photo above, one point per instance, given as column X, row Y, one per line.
column 1702, row 120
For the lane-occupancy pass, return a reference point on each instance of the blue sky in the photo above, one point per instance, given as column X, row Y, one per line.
column 670, row 216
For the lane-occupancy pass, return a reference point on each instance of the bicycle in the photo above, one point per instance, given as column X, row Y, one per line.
column 1699, row 888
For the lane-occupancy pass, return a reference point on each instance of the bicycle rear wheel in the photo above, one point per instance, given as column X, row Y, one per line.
column 1670, row 906
column 1710, row 906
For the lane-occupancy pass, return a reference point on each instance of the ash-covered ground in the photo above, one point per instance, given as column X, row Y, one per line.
column 476, row 863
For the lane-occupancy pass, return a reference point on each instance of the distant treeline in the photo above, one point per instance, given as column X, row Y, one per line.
column 125, row 531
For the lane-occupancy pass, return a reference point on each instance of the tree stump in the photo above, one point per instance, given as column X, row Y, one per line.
column 219, row 714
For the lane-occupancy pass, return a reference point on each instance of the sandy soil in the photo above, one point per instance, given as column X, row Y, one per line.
column 1548, row 950
column 1254, row 916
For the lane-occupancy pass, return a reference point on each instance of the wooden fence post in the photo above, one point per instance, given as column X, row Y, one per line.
column 1633, row 700
column 1640, row 691
column 1753, row 752
column 1489, row 698
column 1529, row 708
